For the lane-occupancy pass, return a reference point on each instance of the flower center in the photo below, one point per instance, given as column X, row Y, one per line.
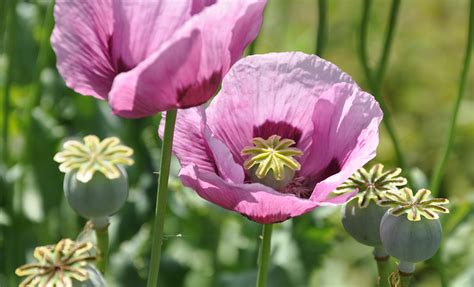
column 271, row 161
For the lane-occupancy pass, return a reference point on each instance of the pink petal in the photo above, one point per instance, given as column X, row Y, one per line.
column 267, row 94
column 140, row 27
column 168, row 79
column 346, row 122
column 199, row 5
column 154, row 84
column 80, row 40
column 255, row 201
column 338, row 200
column 189, row 145
column 195, row 144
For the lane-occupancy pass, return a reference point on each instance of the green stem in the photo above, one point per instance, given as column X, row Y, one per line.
column 102, row 235
column 264, row 255
column 405, row 279
column 12, row 247
column 383, row 266
column 405, row 272
column 162, row 196
column 440, row 164
column 363, row 41
column 382, row 67
column 375, row 80
column 252, row 47
column 10, row 51
column 321, row 37
column 43, row 52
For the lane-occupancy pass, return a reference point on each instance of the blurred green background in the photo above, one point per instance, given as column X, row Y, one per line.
column 206, row 245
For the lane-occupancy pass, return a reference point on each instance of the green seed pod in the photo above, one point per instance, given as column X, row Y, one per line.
column 363, row 223
column 361, row 216
column 95, row 184
column 67, row 263
column 410, row 241
column 410, row 230
column 99, row 197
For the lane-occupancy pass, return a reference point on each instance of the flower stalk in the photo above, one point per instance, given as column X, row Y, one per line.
column 162, row 196
column 264, row 255
column 12, row 247
column 375, row 79
column 101, row 227
column 405, row 273
column 439, row 167
column 405, row 279
column 383, row 266
column 322, row 28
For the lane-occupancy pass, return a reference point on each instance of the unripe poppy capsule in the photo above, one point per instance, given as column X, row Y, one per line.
column 361, row 216
column 363, row 223
column 410, row 241
column 99, row 197
column 411, row 230
column 95, row 184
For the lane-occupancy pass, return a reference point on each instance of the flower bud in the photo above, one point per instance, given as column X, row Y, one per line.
column 410, row 241
column 97, row 198
column 363, row 223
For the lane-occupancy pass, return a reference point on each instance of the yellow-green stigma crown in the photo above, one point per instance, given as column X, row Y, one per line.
column 94, row 155
column 414, row 206
column 371, row 184
column 272, row 157
column 58, row 265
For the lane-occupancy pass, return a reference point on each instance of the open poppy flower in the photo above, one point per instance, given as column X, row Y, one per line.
column 284, row 131
column 144, row 57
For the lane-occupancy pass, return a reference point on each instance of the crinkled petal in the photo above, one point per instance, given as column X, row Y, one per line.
column 194, row 144
column 199, row 5
column 140, row 27
column 80, row 40
column 345, row 137
column 188, row 68
column 153, row 85
column 271, row 94
column 255, row 201
column 189, row 145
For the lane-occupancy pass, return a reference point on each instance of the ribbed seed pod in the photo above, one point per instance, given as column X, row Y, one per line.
column 410, row 241
column 99, row 197
column 361, row 216
column 363, row 223
column 411, row 230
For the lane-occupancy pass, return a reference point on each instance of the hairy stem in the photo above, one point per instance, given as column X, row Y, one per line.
column 264, row 255
column 161, row 200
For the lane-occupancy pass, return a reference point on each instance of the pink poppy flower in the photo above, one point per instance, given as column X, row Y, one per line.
column 145, row 56
column 295, row 116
